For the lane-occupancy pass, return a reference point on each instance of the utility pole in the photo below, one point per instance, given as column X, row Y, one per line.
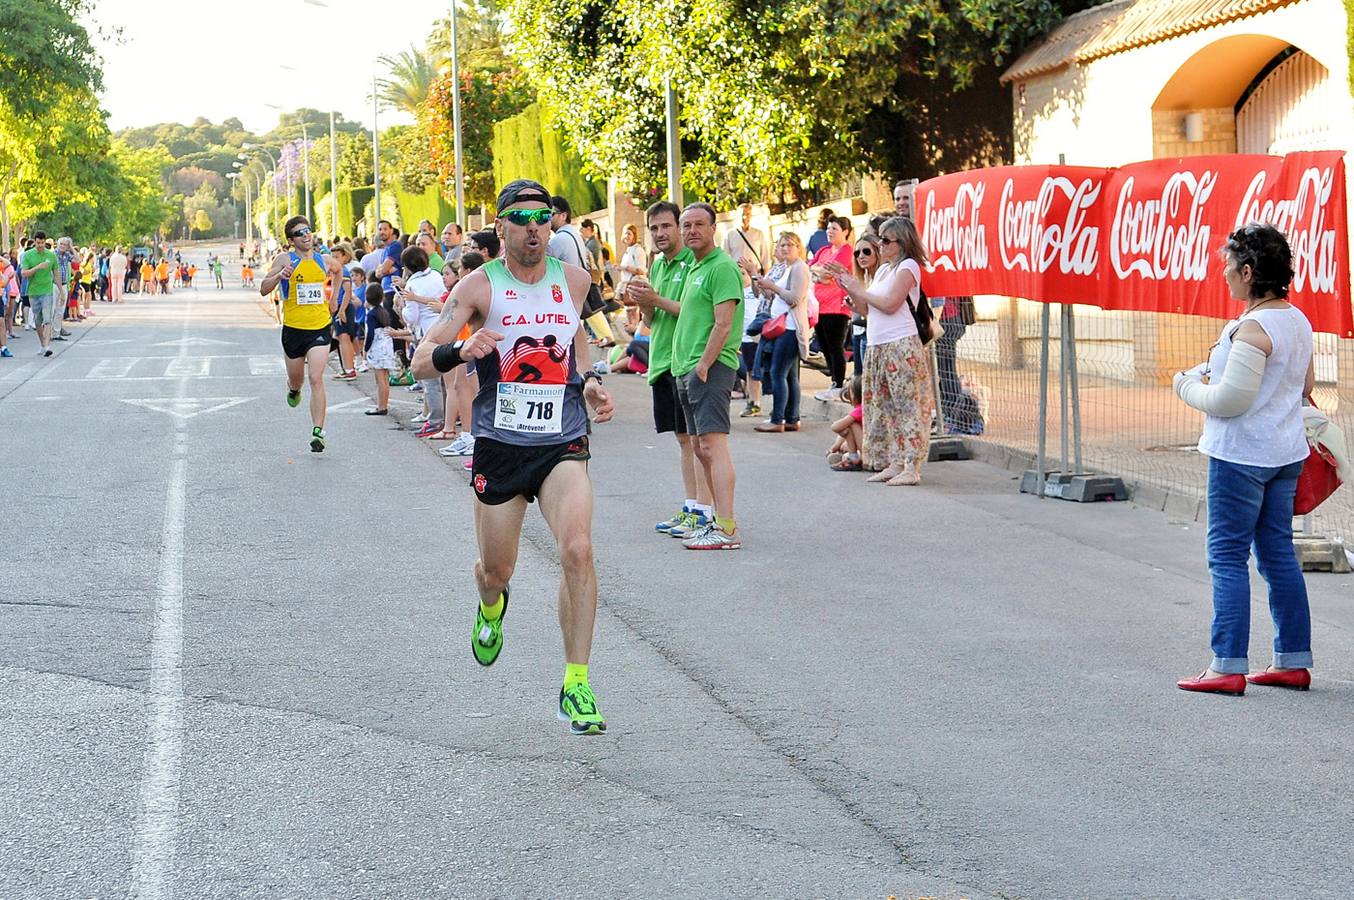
column 333, row 179
column 674, row 144
column 456, row 118
column 305, row 166
column 376, row 145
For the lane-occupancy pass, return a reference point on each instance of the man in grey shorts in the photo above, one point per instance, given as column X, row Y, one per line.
column 705, row 364
column 39, row 265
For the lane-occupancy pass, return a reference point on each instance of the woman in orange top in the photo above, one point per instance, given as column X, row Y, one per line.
column 162, row 275
column 147, row 278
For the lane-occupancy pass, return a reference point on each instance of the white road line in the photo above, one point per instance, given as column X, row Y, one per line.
column 113, row 367
column 157, row 828
column 52, row 366
column 188, row 367
column 267, row 365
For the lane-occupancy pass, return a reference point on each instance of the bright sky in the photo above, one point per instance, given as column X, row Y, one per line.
column 180, row 60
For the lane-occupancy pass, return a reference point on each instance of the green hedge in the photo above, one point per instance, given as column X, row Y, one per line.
column 405, row 209
column 528, row 145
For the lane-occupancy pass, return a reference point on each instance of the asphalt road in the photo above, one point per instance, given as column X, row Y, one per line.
column 233, row 668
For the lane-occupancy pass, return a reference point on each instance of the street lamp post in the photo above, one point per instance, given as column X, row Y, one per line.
column 376, row 144
column 333, row 178
column 305, row 167
column 456, row 119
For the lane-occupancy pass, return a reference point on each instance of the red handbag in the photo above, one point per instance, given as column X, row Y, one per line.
column 1318, row 479
column 774, row 328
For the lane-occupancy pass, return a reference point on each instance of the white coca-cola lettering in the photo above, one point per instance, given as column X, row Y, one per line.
column 1163, row 237
column 1027, row 240
column 954, row 238
column 1302, row 219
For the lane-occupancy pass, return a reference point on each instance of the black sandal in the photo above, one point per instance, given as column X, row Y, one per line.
column 377, row 412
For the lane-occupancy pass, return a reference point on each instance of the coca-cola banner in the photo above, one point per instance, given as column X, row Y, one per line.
column 1140, row 237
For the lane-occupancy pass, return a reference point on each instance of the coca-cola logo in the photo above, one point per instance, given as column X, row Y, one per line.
column 1029, row 239
column 954, row 238
column 1302, row 218
column 1163, row 237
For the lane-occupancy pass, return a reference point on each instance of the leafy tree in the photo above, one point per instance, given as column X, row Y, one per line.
column 45, row 55
column 201, row 221
column 777, row 96
column 355, row 160
column 404, row 158
column 406, row 85
column 488, row 96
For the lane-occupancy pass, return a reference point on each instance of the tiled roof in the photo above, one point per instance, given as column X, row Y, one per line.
column 1124, row 24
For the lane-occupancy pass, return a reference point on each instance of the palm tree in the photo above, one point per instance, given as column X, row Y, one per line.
column 410, row 73
column 480, row 36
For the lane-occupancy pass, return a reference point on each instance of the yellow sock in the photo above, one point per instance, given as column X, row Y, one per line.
column 494, row 610
column 728, row 526
column 575, row 674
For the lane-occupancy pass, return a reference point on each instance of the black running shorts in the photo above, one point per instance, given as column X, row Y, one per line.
column 500, row 472
column 667, row 408
column 297, row 342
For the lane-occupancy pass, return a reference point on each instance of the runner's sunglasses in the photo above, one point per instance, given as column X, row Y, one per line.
column 299, row 231
column 529, row 216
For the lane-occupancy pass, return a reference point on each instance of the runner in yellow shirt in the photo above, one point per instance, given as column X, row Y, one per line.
column 299, row 274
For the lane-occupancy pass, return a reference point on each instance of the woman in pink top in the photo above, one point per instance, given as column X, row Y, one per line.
column 834, row 316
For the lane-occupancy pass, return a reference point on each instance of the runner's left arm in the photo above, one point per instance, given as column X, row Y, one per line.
column 331, row 265
column 596, row 396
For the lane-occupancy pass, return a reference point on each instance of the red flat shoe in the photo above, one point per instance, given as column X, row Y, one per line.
column 1297, row 679
column 1222, row 684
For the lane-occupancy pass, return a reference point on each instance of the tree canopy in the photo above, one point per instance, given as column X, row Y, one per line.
column 777, row 96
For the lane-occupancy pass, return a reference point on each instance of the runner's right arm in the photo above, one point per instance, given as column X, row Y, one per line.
column 468, row 302
column 280, row 269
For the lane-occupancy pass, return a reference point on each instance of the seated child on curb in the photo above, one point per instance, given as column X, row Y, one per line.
column 844, row 454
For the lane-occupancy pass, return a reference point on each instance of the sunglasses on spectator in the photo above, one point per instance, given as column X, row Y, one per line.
column 885, row 240
column 528, row 216
column 865, row 252
column 300, row 231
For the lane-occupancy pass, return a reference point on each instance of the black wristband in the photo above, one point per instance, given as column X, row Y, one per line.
column 591, row 374
column 447, row 356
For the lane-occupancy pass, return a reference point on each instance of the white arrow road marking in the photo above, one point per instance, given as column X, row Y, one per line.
column 113, row 367
column 193, row 342
column 187, row 407
column 188, row 367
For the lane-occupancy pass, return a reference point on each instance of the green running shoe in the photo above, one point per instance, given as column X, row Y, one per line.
column 487, row 640
column 678, row 519
column 317, row 440
column 694, row 523
column 293, row 397
column 578, row 707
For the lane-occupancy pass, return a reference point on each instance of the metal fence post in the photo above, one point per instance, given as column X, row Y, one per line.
column 1040, row 461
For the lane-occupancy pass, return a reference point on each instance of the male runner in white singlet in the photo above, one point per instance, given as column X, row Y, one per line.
column 530, row 426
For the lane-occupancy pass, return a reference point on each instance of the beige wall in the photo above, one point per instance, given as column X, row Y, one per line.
column 1102, row 113
column 1168, row 132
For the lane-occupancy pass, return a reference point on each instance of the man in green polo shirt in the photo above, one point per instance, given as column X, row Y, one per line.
column 705, row 364
column 39, row 265
column 658, row 298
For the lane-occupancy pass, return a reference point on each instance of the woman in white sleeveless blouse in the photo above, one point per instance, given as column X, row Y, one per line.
column 1251, row 389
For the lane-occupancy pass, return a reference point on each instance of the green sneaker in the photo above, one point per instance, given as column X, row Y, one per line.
column 665, row 527
column 578, row 707
column 293, row 397
column 317, row 440
column 487, row 640
column 694, row 523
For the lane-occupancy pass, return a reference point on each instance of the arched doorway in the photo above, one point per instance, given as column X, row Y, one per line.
column 1289, row 110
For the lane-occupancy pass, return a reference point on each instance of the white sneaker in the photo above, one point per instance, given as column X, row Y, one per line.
column 464, row 445
column 419, row 419
column 829, row 394
column 362, row 367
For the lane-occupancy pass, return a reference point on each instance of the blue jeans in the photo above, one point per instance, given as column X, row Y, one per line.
column 784, row 379
column 1253, row 506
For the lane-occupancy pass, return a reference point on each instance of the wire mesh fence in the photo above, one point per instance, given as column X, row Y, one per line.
column 1132, row 424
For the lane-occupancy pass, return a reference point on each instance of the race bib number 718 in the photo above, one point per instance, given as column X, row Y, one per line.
column 529, row 408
